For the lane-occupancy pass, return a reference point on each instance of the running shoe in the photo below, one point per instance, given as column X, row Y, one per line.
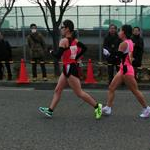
column 145, row 112
column 46, row 111
column 98, row 111
column 106, row 110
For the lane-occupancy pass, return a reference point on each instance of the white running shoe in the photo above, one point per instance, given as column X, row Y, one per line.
column 106, row 110
column 145, row 112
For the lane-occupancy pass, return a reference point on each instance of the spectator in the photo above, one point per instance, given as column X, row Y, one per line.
column 110, row 48
column 138, row 49
column 5, row 55
column 37, row 47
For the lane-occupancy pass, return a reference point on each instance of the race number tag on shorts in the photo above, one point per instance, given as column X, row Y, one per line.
column 73, row 51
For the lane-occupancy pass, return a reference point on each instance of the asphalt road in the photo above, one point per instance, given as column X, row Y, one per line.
column 73, row 126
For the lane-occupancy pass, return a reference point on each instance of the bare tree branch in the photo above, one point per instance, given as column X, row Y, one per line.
column 63, row 9
column 72, row 5
column 5, row 7
column 48, row 4
column 33, row 1
column 51, row 6
column 45, row 16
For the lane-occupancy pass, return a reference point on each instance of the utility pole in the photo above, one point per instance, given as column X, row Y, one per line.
column 125, row 1
column 136, row 12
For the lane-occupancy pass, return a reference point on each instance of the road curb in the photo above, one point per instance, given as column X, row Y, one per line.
column 51, row 85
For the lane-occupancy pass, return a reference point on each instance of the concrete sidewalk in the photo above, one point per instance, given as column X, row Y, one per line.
column 52, row 81
column 50, row 85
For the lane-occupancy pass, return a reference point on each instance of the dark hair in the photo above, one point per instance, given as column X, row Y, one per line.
column 112, row 25
column 137, row 28
column 127, row 30
column 33, row 25
column 69, row 24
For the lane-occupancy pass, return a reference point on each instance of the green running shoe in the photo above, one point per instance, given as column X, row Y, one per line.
column 46, row 111
column 98, row 111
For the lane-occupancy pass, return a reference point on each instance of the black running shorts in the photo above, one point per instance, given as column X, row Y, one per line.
column 71, row 69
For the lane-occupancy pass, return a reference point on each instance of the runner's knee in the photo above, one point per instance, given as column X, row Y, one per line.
column 58, row 90
column 111, row 88
column 79, row 93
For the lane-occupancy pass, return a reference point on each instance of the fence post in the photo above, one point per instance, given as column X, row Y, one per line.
column 100, row 34
column 23, row 35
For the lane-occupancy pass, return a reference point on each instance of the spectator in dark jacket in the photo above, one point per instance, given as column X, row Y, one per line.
column 110, row 48
column 6, row 56
column 37, row 47
column 138, row 49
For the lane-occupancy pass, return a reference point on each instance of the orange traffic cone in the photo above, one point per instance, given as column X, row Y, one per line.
column 90, row 76
column 23, row 76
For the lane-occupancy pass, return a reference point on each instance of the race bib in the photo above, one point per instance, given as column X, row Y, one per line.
column 74, row 50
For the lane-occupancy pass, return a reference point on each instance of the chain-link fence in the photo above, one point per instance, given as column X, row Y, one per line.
column 91, row 23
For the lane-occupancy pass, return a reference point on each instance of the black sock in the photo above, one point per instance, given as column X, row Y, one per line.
column 50, row 110
column 96, row 106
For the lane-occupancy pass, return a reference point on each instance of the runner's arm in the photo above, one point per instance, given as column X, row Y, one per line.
column 83, row 50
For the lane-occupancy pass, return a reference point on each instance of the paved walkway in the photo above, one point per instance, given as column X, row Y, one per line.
column 73, row 126
column 50, row 84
